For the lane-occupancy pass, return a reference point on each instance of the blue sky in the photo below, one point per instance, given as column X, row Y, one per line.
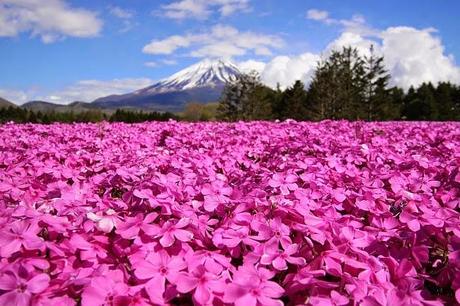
column 65, row 50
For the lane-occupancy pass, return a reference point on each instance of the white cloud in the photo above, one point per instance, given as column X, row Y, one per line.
column 357, row 24
column 221, row 41
column 251, row 65
column 203, row 9
column 169, row 62
column 125, row 16
column 48, row 19
column 151, row 64
column 89, row 90
column 285, row 70
column 167, row 45
column 120, row 12
column 355, row 40
column 15, row 96
column 417, row 56
column 317, row 15
column 85, row 90
column 412, row 56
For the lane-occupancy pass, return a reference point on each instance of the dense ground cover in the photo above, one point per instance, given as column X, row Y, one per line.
column 330, row 213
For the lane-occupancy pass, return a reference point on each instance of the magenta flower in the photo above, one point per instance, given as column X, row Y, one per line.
column 157, row 268
column 251, row 287
column 129, row 229
column 215, row 194
column 171, row 231
column 106, row 290
column 204, row 283
column 279, row 258
column 285, row 183
column 19, row 234
column 333, row 212
column 19, row 286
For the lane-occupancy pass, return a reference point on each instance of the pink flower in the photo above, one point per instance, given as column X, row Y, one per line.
column 129, row 229
column 171, row 231
column 285, row 183
column 104, row 223
column 157, row 268
column 215, row 194
column 19, row 286
column 19, row 233
column 251, row 287
column 109, row 289
column 279, row 258
column 204, row 283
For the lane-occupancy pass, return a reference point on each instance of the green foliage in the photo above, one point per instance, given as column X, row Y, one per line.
column 200, row 112
column 122, row 115
column 20, row 115
column 293, row 103
column 246, row 98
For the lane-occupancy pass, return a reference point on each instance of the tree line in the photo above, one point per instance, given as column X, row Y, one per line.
column 20, row 115
column 346, row 85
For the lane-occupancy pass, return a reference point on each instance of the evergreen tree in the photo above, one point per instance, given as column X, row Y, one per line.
column 421, row 104
column 259, row 104
column 444, row 96
column 338, row 86
column 294, row 102
column 236, row 97
column 376, row 97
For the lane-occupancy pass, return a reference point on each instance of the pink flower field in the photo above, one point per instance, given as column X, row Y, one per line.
column 330, row 213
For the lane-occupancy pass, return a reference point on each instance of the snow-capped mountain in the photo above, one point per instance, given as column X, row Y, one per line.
column 205, row 73
column 202, row 82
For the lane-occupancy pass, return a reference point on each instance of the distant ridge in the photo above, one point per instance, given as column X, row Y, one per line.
column 6, row 103
column 202, row 82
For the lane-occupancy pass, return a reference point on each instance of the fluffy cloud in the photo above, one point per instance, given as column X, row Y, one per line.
column 413, row 56
column 285, row 70
column 417, row 56
column 220, row 41
column 86, row 90
column 48, row 19
column 202, row 9
column 251, row 65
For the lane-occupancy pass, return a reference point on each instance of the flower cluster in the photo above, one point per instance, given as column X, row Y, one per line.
column 330, row 213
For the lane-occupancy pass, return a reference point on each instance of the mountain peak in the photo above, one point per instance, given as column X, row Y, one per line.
column 206, row 73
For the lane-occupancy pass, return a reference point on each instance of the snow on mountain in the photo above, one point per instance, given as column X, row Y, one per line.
column 202, row 82
column 207, row 73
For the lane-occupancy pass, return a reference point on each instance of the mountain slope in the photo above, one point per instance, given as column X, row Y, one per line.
column 43, row 106
column 5, row 103
column 202, row 82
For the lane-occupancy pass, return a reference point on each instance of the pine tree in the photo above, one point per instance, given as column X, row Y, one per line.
column 420, row 104
column 445, row 101
column 294, row 102
column 376, row 97
column 338, row 84
column 259, row 104
column 236, row 96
